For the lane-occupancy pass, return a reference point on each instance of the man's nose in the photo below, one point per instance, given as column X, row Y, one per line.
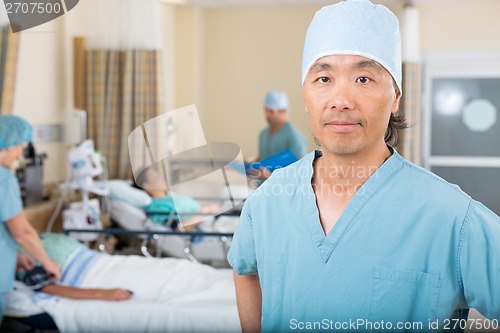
column 342, row 96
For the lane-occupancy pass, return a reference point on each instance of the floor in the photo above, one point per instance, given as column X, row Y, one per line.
column 12, row 326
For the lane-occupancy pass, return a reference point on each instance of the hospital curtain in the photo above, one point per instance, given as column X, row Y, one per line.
column 120, row 74
column 122, row 91
column 9, row 45
column 410, row 138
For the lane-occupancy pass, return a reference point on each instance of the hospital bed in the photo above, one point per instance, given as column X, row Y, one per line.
column 208, row 249
column 170, row 295
column 179, row 244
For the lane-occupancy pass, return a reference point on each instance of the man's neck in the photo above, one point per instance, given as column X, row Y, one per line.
column 275, row 128
column 4, row 160
column 345, row 174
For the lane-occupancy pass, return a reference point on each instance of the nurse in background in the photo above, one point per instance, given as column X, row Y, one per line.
column 15, row 133
column 281, row 135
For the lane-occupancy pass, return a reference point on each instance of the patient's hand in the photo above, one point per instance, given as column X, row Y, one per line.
column 116, row 294
column 214, row 209
column 190, row 224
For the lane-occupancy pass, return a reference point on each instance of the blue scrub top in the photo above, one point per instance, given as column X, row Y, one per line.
column 409, row 249
column 10, row 206
column 286, row 138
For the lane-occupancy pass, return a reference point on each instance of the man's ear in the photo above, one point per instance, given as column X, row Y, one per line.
column 396, row 104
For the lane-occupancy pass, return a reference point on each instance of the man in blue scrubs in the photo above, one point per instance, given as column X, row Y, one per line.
column 280, row 135
column 353, row 237
column 15, row 229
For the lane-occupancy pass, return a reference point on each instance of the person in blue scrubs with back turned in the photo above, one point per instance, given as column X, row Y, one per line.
column 280, row 135
column 353, row 237
column 15, row 133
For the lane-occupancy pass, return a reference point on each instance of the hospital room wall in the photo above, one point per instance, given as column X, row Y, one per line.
column 460, row 25
column 246, row 51
column 249, row 52
column 41, row 90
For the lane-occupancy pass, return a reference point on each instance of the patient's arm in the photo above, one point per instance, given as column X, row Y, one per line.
column 82, row 293
column 190, row 224
column 249, row 301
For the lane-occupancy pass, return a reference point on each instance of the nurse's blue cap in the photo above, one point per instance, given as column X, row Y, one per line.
column 276, row 100
column 14, row 131
column 355, row 27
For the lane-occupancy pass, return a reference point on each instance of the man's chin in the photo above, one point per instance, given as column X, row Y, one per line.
column 341, row 149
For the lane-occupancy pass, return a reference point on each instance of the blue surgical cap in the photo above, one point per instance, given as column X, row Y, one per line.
column 13, row 131
column 355, row 27
column 276, row 100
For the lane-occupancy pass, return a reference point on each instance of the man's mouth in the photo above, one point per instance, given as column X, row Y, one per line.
column 342, row 126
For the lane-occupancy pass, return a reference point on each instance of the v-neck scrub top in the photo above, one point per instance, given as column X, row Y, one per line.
column 409, row 248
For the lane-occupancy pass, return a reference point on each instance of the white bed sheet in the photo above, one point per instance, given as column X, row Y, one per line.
column 170, row 295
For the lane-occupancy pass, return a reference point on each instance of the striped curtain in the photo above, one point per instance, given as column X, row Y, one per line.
column 9, row 46
column 410, row 139
column 122, row 91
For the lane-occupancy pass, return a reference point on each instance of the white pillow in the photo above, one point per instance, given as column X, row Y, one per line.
column 121, row 190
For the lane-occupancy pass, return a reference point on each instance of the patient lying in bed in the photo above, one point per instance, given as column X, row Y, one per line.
column 30, row 277
column 135, row 207
column 153, row 183
column 168, row 294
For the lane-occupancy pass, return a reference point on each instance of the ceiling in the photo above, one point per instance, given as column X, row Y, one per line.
column 242, row 3
column 235, row 3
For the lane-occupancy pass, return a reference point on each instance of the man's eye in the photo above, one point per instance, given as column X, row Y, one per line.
column 324, row 79
column 363, row 80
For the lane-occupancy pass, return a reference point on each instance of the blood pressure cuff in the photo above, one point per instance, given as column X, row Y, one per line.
column 37, row 278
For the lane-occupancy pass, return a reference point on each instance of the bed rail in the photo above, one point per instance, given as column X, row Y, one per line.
column 152, row 236
column 149, row 233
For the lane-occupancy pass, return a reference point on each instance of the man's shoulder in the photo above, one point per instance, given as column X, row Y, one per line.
column 426, row 181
